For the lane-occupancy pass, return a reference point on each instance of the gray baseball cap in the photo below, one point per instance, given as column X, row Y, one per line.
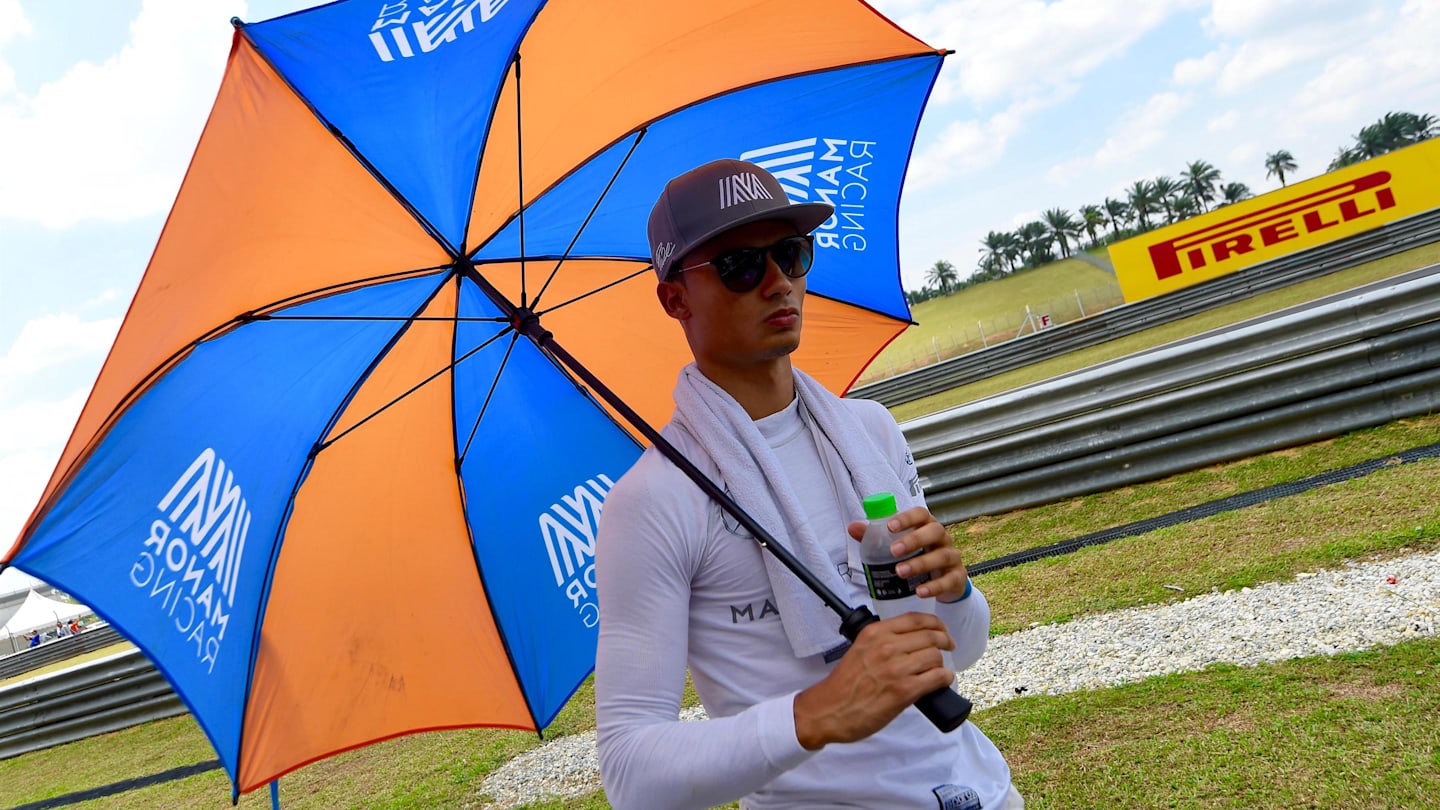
column 711, row 199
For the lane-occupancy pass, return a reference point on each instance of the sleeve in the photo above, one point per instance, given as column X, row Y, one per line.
column 648, row 757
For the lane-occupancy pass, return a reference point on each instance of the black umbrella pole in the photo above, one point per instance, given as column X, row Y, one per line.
column 944, row 707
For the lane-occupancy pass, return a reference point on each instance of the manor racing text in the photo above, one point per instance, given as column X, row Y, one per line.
column 190, row 559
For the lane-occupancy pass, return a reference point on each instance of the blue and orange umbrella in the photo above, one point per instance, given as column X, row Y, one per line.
column 334, row 478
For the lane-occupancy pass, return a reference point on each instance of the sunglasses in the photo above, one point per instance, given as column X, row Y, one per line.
column 742, row 269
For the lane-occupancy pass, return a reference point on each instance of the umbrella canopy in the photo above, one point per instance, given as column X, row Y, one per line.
column 327, row 480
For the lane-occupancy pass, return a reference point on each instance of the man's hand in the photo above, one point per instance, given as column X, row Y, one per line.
column 943, row 560
column 892, row 664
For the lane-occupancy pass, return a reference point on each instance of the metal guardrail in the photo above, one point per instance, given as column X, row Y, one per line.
column 1353, row 360
column 33, row 658
column 115, row 692
column 1130, row 318
column 1349, row 361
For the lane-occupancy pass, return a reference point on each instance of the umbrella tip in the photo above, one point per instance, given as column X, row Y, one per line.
column 237, row 22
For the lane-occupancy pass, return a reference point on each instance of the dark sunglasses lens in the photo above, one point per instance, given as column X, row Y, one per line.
column 741, row 269
column 794, row 256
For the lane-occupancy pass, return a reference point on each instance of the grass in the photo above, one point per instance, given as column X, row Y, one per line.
column 952, row 324
column 1301, row 733
column 1300, row 293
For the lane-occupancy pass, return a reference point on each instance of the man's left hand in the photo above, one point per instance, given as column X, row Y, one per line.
column 941, row 558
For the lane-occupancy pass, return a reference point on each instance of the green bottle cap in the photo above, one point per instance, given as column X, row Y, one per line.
column 879, row 505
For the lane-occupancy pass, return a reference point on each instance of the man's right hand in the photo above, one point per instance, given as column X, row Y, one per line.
column 892, row 664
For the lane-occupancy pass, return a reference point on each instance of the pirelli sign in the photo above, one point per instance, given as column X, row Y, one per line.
column 1335, row 205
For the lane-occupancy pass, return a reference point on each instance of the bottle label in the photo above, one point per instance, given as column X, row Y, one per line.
column 884, row 583
column 956, row 797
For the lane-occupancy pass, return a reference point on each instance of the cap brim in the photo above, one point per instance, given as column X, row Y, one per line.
column 806, row 217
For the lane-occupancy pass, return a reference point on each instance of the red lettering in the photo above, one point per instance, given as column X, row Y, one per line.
column 1386, row 198
column 1196, row 257
column 1314, row 223
column 1277, row 232
column 1349, row 210
column 1234, row 245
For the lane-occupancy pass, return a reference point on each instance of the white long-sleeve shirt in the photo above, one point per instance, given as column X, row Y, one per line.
column 680, row 582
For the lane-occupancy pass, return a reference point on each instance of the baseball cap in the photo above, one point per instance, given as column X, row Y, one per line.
column 711, row 199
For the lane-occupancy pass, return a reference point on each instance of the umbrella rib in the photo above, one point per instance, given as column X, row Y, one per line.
column 457, row 361
column 488, row 396
column 519, row 180
column 639, row 136
column 597, row 290
column 359, row 318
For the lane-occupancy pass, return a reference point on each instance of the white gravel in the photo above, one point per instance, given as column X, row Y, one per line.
column 1350, row 608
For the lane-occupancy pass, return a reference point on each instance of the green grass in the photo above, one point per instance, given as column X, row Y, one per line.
column 1203, row 322
column 952, row 324
column 1215, row 734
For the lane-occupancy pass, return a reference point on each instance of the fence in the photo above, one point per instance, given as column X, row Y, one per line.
column 115, row 692
column 1349, row 361
column 1130, row 318
column 963, row 338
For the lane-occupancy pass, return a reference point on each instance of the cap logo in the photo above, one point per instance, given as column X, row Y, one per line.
column 741, row 188
column 663, row 252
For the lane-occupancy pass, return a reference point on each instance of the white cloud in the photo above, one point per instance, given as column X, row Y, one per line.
column 1019, row 49
column 1202, row 69
column 1251, row 18
column 1224, row 122
column 52, row 340
column 111, row 141
column 32, row 435
column 1137, row 130
column 963, row 146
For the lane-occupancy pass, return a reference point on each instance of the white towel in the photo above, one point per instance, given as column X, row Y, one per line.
column 754, row 477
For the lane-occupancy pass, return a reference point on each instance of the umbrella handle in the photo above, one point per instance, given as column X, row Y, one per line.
column 944, row 707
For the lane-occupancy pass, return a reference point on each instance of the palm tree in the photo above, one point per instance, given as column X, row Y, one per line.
column 1091, row 218
column 1119, row 213
column 1185, row 208
column 1344, row 157
column 1142, row 202
column 1234, row 192
column 1279, row 162
column 997, row 247
column 943, row 276
column 1034, row 240
column 1062, row 226
column 1166, row 190
column 1200, row 179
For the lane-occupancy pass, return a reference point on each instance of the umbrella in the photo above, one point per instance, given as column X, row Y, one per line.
column 340, row 474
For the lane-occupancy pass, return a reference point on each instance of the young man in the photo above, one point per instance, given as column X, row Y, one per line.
column 799, row 719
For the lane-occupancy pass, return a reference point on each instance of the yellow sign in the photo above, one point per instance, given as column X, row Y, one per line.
column 1332, row 206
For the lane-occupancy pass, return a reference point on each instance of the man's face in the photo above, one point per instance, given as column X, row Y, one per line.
column 734, row 330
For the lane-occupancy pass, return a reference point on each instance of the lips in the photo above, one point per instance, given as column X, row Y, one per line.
column 783, row 317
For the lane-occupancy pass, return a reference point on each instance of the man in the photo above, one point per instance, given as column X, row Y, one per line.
column 799, row 719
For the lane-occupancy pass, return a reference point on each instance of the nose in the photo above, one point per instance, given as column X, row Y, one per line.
column 775, row 282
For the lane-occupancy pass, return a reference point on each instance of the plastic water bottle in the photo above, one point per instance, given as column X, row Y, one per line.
column 891, row 593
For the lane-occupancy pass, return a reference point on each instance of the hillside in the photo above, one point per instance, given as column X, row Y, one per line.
column 952, row 324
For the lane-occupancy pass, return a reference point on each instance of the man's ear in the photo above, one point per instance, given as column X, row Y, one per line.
column 673, row 299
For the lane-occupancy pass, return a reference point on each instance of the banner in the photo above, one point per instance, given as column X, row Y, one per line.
column 1323, row 209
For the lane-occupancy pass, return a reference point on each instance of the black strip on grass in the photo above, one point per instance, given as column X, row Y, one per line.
column 103, row 791
column 1207, row 509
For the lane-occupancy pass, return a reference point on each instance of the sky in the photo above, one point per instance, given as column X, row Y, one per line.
column 1042, row 105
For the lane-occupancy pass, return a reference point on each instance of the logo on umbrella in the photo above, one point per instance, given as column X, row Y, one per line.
column 438, row 26
column 206, row 504
column 840, row 181
column 570, row 542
